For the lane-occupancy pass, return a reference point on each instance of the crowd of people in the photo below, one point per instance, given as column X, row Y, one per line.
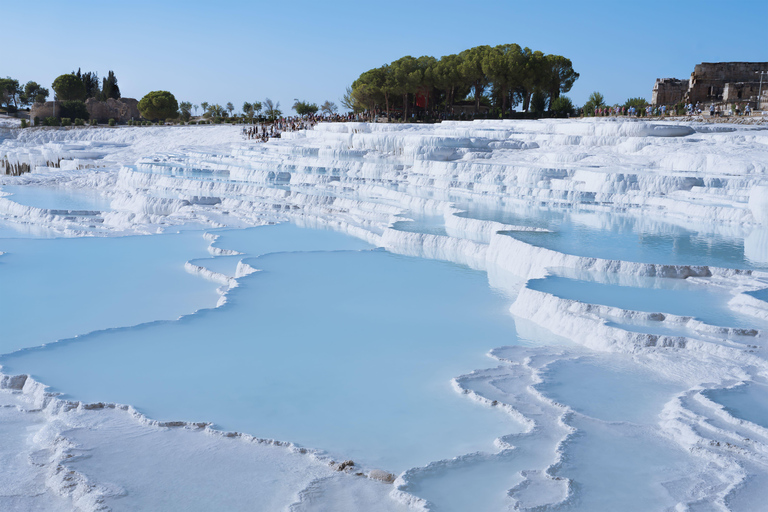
column 661, row 110
column 263, row 131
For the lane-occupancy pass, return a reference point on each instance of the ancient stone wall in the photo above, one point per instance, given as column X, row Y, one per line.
column 668, row 91
column 121, row 110
column 708, row 79
column 713, row 82
column 740, row 91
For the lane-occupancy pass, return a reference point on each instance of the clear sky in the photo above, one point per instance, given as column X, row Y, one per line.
column 239, row 50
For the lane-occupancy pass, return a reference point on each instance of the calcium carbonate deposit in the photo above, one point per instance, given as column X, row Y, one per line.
column 489, row 316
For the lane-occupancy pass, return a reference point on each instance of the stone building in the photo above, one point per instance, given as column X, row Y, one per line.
column 721, row 83
column 121, row 110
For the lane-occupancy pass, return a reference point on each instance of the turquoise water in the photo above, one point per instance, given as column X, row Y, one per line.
column 706, row 303
column 55, row 198
column 63, row 287
column 617, row 236
column 747, row 401
column 322, row 348
column 608, row 388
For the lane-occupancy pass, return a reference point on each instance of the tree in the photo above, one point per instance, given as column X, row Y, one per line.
column 328, row 108
column 73, row 109
column 110, row 88
column 638, row 103
column 561, row 106
column 406, row 78
column 185, row 109
column 272, row 109
column 538, row 101
column 248, row 109
column 216, row 110
column 596, row 100
column 256, row 107
column 91, row 84
column 204, row 106
column 304, row 108
column 10, row 92
column 195, row 107
column 504, row 65
column 446, row 76
column 347, row 99
column 559, row 76
column 230, row 107
column 159, row 105
column 471, row 71
column 34, row 93
column 69, row 87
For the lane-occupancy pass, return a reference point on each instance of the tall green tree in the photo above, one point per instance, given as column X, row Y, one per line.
column 91, row 83
column 109, row 88
column 34, row 93
column 446, row 77
column 159, row 105
column 230, row 107
column 504, row 65
column 559, row 76
column 534, row 75
column 407, row 79
column 472, row 73
column 69, row 87
column 272, row 109
column 304, row 108
column 10, row 92
column 185, row 109
column 204, row 106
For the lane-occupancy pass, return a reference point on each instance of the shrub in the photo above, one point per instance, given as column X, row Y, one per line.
column 94, row 122
column 37, row 121
column 217, row 120
column 24, row 123
column 52, row 121
column 79, row 122
column 66, row 121
column 73, row 109
column 111, row 122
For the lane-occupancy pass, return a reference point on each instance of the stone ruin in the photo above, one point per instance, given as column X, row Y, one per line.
column 721, row 83
column 121, row 110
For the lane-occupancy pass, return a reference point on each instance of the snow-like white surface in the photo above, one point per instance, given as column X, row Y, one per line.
column 480, row 194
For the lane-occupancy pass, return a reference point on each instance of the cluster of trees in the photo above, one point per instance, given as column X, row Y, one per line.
column 501, row 76
column 597, row 101
column 13, row 95
column 304, row 108
column 82, row 86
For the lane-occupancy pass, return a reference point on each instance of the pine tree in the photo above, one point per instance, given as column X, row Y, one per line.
column 109, row 88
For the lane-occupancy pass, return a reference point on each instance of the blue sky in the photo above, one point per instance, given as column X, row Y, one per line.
column 235, row 50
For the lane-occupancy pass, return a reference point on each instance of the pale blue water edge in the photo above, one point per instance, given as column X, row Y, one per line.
column 62, row 287
column 626, row 237
column 747, row 401
column 56, row 198
column 349, row 351
column 653, row 295
column 609, row 388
